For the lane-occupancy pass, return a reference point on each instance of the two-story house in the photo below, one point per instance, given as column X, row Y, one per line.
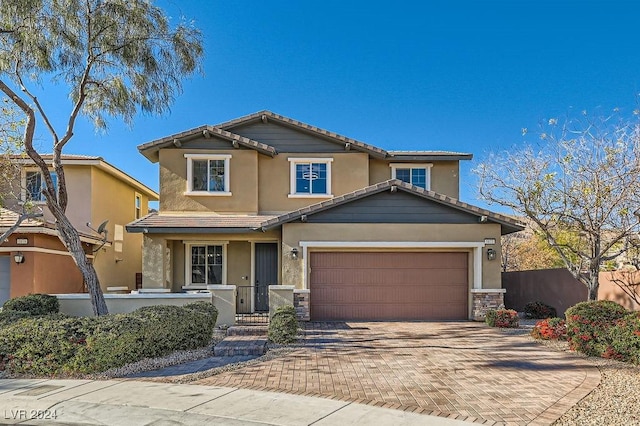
column 34, row 260
column 369, row 233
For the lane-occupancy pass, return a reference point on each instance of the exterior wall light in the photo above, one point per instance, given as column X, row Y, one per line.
column 18, row 257
column 294, row 253
column 491, row 254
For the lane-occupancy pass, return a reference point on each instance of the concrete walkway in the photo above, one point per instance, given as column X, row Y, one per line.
column 131, row 403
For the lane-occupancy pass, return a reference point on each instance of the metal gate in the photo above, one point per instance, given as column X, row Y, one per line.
column 252, row 304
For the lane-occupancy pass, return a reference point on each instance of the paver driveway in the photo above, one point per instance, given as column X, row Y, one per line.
column 462, row 370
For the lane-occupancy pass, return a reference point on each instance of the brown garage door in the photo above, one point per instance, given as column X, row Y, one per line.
column 388, row 286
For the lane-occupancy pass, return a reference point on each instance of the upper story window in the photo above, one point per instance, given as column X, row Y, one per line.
column 310, row 177
column 207, row 174
column 415, row 174
column 34, row 185
column 138, row 206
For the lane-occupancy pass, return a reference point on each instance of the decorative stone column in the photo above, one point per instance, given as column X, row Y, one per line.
column 301, row 303
column 279, row 295
column 223, row 298
column 485, row 299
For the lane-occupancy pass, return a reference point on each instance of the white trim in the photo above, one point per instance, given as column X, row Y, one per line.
column 426, row 166
column 39, row 250
column 137, row 196
column 475, row 246
column 488, row 290
column 215, row 157
column 207, row 194
column 187, row 261
column 81, row 296
column 293, row 161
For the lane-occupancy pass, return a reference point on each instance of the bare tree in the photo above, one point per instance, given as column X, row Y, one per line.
column 116, row 58
column 579, row 186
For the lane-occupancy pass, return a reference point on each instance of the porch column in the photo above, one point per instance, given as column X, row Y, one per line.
column 153, row 262
column 485, row 299
column 279, row 295
column 223, row 298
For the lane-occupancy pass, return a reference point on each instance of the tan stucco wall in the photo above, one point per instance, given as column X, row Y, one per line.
column 293, row 233
column 445, row 175
column 239, row 263
column 243, row 182
column 349, row 172
column 115, row 200
column 80, row 305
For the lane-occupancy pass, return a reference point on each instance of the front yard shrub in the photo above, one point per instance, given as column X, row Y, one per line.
column 8, row 317
column 56, row 344
column 624, row 339
column 539, row 310
column 588, row 325
column 550, row 329
column 503, row 318
column 35, row 304
column 283, row 326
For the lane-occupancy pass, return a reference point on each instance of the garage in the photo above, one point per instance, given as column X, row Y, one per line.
column 369, row 286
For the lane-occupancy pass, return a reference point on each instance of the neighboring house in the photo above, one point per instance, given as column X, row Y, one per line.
column 371, row 234
column 98, row 192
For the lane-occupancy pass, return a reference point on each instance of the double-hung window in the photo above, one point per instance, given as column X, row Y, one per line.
column 35, row 184
column 206, row 264
column 416, row 174
column 207, row 174
column 310, row 177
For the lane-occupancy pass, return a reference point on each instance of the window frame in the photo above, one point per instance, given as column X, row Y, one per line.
column 426, row 166
column 295, row 161
column 188, row 270
column 209, row 157
column 137, row 206
column 24, row 192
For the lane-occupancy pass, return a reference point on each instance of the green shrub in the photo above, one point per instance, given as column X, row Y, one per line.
column 206, row 308
column 40, row 345
column 35, row 304
column 56, row 344
column 588, row 325
column 624, row 339
column 8, row 317
column 283, row 326
column 539, row 310
column 550, row 329
column 503, row 318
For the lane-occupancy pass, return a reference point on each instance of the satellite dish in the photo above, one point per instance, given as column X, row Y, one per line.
column 102, row 227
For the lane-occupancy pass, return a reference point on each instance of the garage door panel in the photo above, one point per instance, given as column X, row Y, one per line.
column 386, row 286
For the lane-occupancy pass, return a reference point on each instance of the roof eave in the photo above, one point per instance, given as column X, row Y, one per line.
column 188, row 230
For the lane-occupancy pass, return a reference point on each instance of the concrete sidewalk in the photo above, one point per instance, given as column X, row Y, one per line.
column 128, row 402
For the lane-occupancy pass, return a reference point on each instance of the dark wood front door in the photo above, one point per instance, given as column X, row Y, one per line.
column 266, row 270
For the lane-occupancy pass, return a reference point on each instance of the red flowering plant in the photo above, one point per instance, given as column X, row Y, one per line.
column 550, row 329
column 588, row 325
column 503, row 318
column 624, row 339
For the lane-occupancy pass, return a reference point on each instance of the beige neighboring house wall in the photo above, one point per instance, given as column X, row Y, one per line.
column 98, row 191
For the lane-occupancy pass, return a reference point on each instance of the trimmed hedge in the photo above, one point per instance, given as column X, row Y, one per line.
column 624, row 339
column 503, row 318
column 35, row 304
column 8, row 317
column 588, row 325
column 539, row 310
column 283, row 326
column 56, row 344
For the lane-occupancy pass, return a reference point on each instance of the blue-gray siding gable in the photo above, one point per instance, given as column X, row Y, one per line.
column 392, row 207
column 286, row 139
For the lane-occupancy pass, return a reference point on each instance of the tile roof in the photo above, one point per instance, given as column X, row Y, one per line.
column 155, row 222
column 38, row 225
column 431, row 154
column 147, row 149
column 507, row 222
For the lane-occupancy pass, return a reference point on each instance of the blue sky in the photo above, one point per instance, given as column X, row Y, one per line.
column 426, row 75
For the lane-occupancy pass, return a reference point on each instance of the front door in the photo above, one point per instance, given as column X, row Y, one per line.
column 266, row 270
